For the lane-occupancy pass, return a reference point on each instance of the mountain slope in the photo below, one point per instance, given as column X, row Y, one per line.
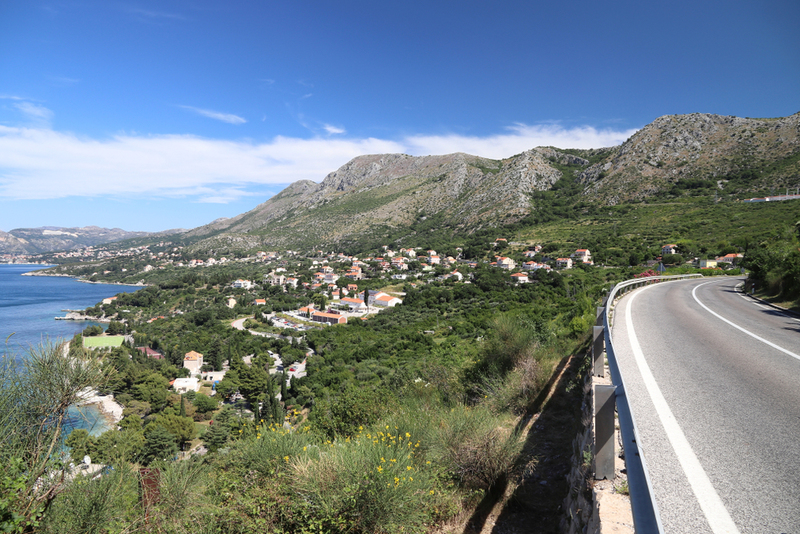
column 377, row 196
column 732, row 154
column 51, row 238
column 371, row 194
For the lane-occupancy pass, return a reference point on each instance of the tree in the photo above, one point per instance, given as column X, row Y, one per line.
column 214, row 354
column 159, row 444
column 35, row 393
column 93, row 330
column 204, row 403
column 115, row 328
column 672, row 259
column 216, row 436
column 182, row 428
column 80, row 444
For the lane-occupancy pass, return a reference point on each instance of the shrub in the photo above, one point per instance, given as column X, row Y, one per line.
column 474, row 449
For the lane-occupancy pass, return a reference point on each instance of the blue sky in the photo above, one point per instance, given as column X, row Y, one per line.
column 150, row 115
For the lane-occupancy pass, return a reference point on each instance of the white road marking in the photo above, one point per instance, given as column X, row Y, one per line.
column 710, row 503
column 761, row 339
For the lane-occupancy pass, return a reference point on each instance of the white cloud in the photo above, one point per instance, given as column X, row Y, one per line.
column 521, row 137
column 39, row 115
column 224, row 117
column 40, row 163
column 333, row 129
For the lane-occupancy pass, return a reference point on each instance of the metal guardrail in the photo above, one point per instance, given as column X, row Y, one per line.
column 646, row 518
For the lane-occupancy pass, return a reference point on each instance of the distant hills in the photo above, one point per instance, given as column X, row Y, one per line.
column 50, row 238
column 389, row 196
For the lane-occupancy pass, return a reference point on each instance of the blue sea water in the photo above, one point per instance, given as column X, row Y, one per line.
column 28, row 307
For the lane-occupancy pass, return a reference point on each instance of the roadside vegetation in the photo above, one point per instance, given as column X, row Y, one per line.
column 411, row 420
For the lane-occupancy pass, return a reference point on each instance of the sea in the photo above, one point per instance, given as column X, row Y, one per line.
column 28, row 308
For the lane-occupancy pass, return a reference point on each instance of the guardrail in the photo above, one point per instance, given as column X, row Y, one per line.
column 646, row 518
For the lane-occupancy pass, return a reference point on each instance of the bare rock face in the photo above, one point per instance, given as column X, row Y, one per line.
column 465, row 192
column 695, row 146
column 394, row 190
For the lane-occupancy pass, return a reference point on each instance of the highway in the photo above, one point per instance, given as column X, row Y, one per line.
column 713, row 380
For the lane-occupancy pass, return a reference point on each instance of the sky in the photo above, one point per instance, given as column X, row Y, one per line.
column 154, row 115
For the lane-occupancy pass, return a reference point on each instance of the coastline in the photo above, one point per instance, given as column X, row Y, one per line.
column 77, row 279
column 109, row 408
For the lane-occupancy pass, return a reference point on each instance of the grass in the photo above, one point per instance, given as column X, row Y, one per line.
column 103, row 341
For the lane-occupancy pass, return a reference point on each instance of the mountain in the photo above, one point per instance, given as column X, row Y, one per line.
column 734, row 155
column 51, row 238
column 388, row 195
column 396, row 197
column 377, row 195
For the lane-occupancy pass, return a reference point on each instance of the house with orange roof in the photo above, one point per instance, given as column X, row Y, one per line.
column 582, row 255
column 328, row 318
column 354, row 304
column 520, row 278
column 193, row 361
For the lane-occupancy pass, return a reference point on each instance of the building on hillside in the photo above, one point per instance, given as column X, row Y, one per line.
column 733, row 259
column 150, row 353
column 387, row 301
column 520, row 278
column 564, row 263
column 193, row 361
column 355, row 305
column 328, row 318
column 669, row 249
column 582, row 255
column 242, row 284
column 184, row 385
column 275, row 279
column 506, row 263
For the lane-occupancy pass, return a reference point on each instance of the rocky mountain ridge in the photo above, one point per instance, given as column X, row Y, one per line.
column 376, row 194
column 699, row 146
column 375, row 197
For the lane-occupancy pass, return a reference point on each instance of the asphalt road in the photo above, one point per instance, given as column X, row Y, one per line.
column 713, row 379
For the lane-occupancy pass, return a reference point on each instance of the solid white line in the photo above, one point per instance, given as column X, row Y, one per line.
column 710, row 503
column 761, row 339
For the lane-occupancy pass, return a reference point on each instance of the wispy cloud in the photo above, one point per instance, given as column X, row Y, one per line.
column 333, row 129
column 224, row 117
column 39, row 115
column 64, row 81
column 40, row 163
column 151, row 15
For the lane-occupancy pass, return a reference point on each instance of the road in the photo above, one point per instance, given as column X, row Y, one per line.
column 713, row 379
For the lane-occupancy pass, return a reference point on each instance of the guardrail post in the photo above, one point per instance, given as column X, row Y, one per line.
column 598, row 347
column 598, row 321
column 604, row 432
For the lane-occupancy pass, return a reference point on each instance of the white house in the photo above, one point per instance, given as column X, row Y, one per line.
column 582, row 255
column 387, row 301
column 564, row 263
column 182, row 385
